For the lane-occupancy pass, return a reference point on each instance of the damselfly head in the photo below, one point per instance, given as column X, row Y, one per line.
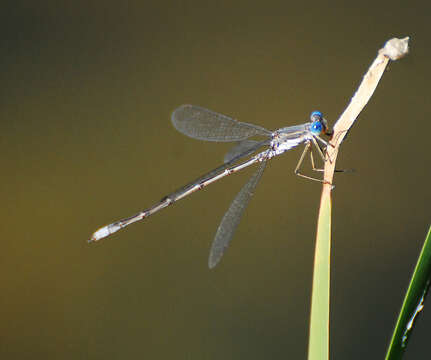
column 319, row 123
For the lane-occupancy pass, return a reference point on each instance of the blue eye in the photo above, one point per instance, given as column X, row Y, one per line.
column 316, row 115
column 316, row 127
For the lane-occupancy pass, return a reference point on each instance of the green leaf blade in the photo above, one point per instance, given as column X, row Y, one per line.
column 318, row 347
column 413, row 302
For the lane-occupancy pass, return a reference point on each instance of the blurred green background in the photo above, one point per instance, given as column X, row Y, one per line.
column 87, row 92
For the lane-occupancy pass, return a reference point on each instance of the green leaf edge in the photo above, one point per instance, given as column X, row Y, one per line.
column 413, row 302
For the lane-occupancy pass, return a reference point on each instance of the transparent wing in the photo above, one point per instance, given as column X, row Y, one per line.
column 203, row 124
column 243, row 149
column 232, row 217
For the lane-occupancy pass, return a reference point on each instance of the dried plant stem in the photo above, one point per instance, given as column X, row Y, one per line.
column 319, row 320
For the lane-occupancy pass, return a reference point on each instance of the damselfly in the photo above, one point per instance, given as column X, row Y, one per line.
column 203, row 124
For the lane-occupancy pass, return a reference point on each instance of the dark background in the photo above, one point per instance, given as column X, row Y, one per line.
column 87, row 92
